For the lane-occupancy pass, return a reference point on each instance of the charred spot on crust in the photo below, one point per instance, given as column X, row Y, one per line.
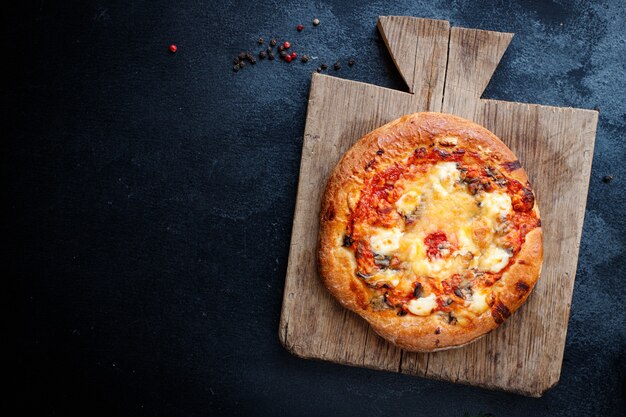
column 380, row 152
column 524, row 200
column 522, row 288
column 420, row 152
column 437, row 342
column 500, row 312
column 538, row 222
column 512, row 166
column 401, row 313
column 330, row 213
column 438, row 330
column 369, row 165
column 347, row 241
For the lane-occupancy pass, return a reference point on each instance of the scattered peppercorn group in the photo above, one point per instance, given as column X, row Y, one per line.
column 244, row 58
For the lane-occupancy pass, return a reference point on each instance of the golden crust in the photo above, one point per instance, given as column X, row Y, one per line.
column 336, row 263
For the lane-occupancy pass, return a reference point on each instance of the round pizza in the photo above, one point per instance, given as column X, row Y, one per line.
column 430, row 231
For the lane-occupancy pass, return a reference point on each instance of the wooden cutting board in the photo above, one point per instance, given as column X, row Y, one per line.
column 446, row 69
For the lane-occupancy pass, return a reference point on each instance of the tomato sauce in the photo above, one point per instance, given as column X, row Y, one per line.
column 379, row 194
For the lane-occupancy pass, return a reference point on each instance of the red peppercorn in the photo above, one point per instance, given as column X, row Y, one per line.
column 287, row 45
column 173, row 48
column 300, row 27
column 294, row 55
column 288, row 58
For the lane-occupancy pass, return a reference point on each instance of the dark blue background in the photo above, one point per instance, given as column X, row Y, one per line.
column 148, row 201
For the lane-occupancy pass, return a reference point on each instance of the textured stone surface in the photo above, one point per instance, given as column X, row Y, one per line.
column 150, row 199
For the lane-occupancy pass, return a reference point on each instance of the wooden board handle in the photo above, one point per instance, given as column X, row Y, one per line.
column 428, row 54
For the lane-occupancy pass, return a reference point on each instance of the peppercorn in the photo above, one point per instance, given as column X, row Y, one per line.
column 241, row 56
column 294, row 55
column 288, row 58
column 305, row 58
column 235, row 68
column 269, row 50
column 607, row 178
column 316, row 22
column 261, row 40
column 173, row 48
column 273, row 42
column 319, row 69
column 249, row 56
column 236, row 61
column 351, row 62
column 324, row 66
column 337, row 66
column 270, row 57
column 299, row 28
column 262, row 54
column 281, row 48
column 253, row 61
column 287, row 45
column 242, row 64
column 283, row 54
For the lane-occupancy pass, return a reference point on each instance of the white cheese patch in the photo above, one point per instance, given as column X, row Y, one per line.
column 388, row 276
column 466, row 243
column 408, row 203
column 442, row 177
column 496, row 205
column 446, row 172
column 478, row 304
column 494, row 259
column 423, row 306
column 386, row 241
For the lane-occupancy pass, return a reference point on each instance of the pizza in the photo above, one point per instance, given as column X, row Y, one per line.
column 429, row 230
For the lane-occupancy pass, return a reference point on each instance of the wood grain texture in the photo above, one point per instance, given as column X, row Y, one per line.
column 448, row 71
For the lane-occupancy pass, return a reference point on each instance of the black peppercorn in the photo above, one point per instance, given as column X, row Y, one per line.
column 236, row 61
column 351, row 62
column 337, row 66
column 324, row 66
column 281, row 48
column 273, row 42
column 305, row 58
column 269, row 50
column 319, row 69
column 242, row 64
column 262, row 54
column 235, row 68
column 253, row 61
column 261, row 40
column 241, row 56
column 283, row 54
column 607, row 178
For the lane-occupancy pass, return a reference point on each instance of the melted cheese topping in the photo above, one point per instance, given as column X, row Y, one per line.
column 423, row 306
column 438, row 202
column 385, row 241
column 408, row 203
column 478, row 303
column 494, row 259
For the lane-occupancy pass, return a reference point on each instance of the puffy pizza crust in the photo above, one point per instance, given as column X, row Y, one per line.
column 337, row 264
